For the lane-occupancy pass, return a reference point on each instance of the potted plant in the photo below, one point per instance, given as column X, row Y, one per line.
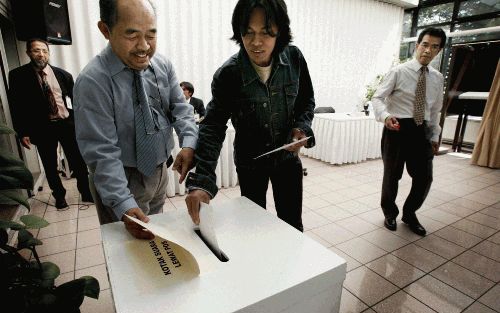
column 370, row 91
column 29, row 286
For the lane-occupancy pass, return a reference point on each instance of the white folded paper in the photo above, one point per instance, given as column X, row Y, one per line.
column 283, row 147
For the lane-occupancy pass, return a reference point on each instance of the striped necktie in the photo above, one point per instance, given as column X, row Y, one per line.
column 145, row 132
column 419, row 107
column 47, row 91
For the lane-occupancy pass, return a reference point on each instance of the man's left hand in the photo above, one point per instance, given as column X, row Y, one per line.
column 435, row 147
column 297, row 134
column 184, row 162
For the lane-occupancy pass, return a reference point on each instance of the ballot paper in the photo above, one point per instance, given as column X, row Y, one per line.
column 207, row 228
column 283, row 147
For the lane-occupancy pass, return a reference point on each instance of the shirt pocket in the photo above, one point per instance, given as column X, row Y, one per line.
column 291, row 93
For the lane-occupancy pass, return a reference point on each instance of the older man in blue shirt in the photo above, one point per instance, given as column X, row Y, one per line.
column 124, row 85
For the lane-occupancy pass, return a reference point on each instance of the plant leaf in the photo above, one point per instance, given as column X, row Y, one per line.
column 4, row 129
column 87, row 285
column 13, row 197
column 50, row 272
column 26, row 240
column 15, row 176
column 33, row 221
column 10, row 224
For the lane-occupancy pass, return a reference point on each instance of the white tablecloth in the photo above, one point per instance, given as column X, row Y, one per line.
column 341, row 138
column 226, row 171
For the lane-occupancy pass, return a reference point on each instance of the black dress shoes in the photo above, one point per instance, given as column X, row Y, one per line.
column 390, row 223
column 415, row 225
column 61, row 204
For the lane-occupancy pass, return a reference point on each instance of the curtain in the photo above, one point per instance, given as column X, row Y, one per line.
column 346, row 43
column 487, row 148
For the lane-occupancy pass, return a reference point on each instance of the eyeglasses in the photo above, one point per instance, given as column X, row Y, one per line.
column 44, row 51
column 432, row 47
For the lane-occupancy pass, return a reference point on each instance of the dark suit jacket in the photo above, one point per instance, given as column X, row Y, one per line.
column 198, row 106
column 28, row 104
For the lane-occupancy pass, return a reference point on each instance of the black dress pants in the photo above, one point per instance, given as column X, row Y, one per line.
column 62, row 131
column 286, row 179
column 408, row 146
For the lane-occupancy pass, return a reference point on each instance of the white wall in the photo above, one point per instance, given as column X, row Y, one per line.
column 346, row 42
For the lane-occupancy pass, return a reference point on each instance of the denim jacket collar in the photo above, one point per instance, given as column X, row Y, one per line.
column 248, row 73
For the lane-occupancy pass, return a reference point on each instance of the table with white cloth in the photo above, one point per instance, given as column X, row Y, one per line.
column 226, row 170
column 345, row 138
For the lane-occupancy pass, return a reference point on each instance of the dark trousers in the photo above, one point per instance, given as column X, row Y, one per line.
column 62, row 131
column 286, row 179
column 408, row 146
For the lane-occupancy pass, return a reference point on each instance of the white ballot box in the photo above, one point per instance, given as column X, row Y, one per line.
column 271, row 266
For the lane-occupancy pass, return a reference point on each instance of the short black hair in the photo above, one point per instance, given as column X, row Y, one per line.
column 30, row 41
column 188, row 86
column 434, row 32
column 108, row 10
column 276, row 13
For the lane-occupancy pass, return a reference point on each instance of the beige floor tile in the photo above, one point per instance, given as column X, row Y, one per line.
column 350, row 304
column 99, row 272
column 485, row 197
column 462, row 279
column 495, row 238
column 58, row 229
column 486, row 220
column 374, row 216
column 357, row 225
column 87, row 223
column 479, row 264
column 89, row 256
column 368, row 286
column 351, row 263
column 333, row 213
column 491, row 211
column 317, row 190
column 64, row 278
column 405, row 232
column 441, row 216
column 455, row 209
column 104, row 304
column 65, row 260
column 312, row 220
column 491, row 298
column 474, row 228
column 361, row 250
column 57, row 244
column 419, row 257
column 488, row 249
column 315, row 203
column 88, row 238
column 440, row 246
column 458, row 236
column 318, row 239
column 438, row 295
column 89, row 211
column 401, row 302
column 58, row 216
column 469, row 204
column 354, row 207
column 384, row 239
column 333, row 233
column 477, row 307
column 429, row 224
column 395, row 270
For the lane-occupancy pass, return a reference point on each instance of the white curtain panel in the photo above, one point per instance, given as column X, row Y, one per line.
column 346, row 43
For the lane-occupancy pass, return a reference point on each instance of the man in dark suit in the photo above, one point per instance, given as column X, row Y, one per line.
column 40, row 97
column 199, row 108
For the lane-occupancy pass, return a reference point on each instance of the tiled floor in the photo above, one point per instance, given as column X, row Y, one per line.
column 455, row 268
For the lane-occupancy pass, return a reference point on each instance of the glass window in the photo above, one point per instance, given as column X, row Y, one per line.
column 476, row 25
column 475, row 7
column 407, row 21
column 436, row 14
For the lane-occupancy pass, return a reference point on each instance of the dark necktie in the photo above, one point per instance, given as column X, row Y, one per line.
column 419, row 107
column 146, row 139
column 48, row 93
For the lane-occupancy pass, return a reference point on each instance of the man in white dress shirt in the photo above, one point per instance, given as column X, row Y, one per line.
column 408, row 102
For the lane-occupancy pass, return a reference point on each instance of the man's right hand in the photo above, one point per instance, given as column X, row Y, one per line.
column 135, row 229
column 193, row 200
column 25, row 141
column 392, row 123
